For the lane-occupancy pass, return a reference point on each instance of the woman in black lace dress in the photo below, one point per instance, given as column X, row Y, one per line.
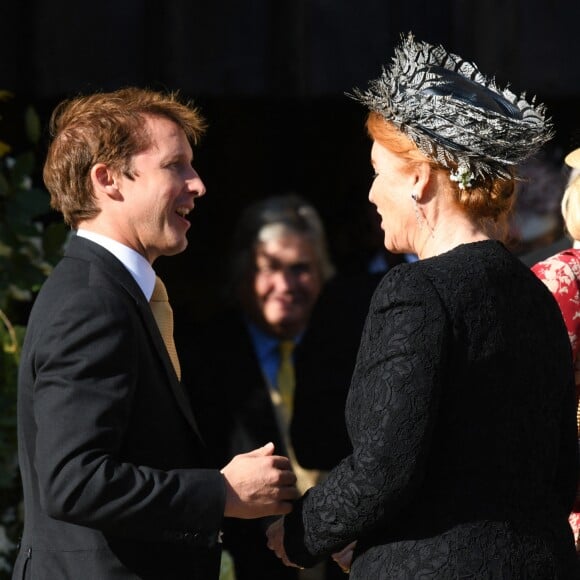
column 461, row 409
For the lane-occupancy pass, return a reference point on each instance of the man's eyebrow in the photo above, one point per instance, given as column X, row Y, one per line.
column 270, row 257
column 177, row 156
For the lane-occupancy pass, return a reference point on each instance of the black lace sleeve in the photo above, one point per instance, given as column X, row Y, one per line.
column 391, row 409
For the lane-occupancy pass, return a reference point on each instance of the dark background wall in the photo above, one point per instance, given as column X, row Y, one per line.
column 270, row 77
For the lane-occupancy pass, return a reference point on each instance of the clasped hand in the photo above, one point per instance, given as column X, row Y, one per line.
column 275, row 535
column 259, row 484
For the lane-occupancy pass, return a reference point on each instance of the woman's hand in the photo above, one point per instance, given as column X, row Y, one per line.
column 344, row 557
column 275, row 534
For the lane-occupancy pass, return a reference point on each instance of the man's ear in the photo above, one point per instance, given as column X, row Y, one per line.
column 104, row 181
column 421, row 177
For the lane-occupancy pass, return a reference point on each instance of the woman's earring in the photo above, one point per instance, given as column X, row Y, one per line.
column 420, row 220
column 416, row 208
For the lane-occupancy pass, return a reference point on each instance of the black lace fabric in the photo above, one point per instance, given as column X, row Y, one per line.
column 461, row 413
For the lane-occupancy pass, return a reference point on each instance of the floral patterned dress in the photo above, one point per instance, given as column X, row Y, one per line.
column 561, row 274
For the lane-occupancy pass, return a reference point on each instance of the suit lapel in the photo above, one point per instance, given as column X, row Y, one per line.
column 120, row 277
column 161, row 350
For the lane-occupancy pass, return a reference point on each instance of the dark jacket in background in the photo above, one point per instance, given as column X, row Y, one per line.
column 235, row 412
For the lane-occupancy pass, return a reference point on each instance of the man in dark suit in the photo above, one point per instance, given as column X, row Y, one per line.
column 283, row 292
column 116, row 483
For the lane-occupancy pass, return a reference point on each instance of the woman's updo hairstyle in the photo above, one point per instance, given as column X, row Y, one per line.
column 460, row 120
column 488, row 201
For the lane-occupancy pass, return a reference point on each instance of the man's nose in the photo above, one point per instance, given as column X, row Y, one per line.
column 195, row 185
column 285, row 279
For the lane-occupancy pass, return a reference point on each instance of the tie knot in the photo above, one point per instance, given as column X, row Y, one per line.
column 286, row 348
column 159, row 291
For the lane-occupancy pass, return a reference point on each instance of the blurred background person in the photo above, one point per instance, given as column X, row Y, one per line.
column 461, row 409
column 561, row 274
column 269, row 368
column 536, row 226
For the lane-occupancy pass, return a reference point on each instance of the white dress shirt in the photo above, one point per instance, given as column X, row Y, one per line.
column 137, row 265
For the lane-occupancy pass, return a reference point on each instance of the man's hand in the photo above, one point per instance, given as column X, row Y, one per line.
column 259, row 484
column 275, row 535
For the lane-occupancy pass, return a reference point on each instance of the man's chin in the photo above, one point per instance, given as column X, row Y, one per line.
column 283, row 319
column 176, row 248
column 286, row 327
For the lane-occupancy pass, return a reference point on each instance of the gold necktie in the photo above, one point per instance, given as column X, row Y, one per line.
column 306, row 478
column 286, row 378
column 163, row 315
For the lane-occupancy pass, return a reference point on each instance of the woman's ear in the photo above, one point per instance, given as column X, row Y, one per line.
column 421, row 177
column 104, row 181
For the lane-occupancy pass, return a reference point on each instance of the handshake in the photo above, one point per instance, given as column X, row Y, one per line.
column 259, row 484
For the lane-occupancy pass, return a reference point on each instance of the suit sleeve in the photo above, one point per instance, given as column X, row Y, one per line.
column 391, row 409
column 86, row 375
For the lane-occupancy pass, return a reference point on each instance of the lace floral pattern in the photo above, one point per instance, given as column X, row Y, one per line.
column 459, row 412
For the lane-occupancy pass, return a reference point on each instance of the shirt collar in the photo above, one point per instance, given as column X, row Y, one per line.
column 137, row 265
column 264, row 343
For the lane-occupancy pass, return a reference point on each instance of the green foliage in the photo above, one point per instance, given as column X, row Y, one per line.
column 30, row 243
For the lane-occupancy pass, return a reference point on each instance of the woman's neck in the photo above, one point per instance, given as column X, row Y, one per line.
column 447, row 230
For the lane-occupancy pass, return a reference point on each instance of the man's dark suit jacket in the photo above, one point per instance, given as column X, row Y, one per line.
column 222, row 370
column 111, row 459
